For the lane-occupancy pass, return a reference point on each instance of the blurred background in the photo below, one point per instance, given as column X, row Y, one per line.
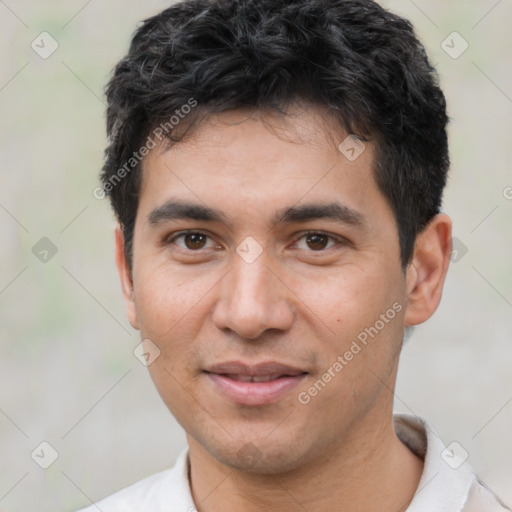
column 68, row 376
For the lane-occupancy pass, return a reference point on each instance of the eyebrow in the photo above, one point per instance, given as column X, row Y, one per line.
column 179, row 210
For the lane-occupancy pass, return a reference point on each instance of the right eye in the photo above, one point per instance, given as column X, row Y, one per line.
column 193, row 241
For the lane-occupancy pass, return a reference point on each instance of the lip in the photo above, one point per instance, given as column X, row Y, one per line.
column 284, row 378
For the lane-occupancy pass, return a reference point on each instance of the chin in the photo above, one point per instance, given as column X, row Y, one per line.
column 259, row 457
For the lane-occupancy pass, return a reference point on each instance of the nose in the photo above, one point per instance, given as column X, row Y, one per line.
column 253, row 299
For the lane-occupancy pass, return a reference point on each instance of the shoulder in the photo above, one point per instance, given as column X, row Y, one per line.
column 481, row 499
column 154, row 493
column 448, row 482
column 138, row 494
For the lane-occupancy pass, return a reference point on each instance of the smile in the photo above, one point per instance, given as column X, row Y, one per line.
column 256, row 385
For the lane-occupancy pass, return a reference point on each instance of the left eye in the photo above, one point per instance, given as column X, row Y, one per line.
column 317, row 241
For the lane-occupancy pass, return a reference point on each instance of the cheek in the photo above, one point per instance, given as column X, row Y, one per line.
column 362, row 317
column 169, row 300
column 347, row 299
column 171, row 308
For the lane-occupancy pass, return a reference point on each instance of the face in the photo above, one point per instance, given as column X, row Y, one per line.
column 266, row 269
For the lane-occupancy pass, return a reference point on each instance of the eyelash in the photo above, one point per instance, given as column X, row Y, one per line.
column 171, row 239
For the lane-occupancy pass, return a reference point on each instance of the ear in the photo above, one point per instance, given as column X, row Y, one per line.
column 125, row 275
column 426, row 273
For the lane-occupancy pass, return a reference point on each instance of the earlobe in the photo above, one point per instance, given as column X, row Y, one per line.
column 426, row 273
column 125, row 276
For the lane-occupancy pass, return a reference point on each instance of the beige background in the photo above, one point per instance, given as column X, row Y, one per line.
column 67, row 372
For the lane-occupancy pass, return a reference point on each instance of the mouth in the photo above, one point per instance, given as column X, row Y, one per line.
column 254, row 385
column 249, row 378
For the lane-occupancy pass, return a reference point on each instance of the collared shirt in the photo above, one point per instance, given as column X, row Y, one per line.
column 448, row 483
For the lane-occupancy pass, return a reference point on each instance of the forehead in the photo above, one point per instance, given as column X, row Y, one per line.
column 261, row 162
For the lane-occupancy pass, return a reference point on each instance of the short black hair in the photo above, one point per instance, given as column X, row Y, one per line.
column 360, row 62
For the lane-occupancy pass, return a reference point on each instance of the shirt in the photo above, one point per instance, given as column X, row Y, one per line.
column 448, row 483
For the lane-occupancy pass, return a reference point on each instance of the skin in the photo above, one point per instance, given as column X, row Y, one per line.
column 295, row 304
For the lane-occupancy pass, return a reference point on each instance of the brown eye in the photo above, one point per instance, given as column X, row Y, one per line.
column 317, row 241
column 194, row 241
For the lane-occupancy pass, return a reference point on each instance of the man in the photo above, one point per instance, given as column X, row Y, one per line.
column 277, row 169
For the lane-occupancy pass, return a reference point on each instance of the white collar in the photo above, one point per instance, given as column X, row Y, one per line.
column 447, row 478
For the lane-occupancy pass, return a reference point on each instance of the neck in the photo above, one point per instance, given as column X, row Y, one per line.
column 371, row 471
